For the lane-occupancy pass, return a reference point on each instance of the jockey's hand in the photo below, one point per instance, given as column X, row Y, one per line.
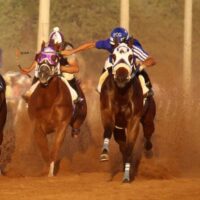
column 21, row 69
column 67, row 52
column 141, row 67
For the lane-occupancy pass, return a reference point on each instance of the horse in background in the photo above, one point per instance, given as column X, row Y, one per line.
column 122, row 109
column 3, row 108
column 51, row 108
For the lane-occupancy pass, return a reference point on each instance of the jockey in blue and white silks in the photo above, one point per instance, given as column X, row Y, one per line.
column 141, row 58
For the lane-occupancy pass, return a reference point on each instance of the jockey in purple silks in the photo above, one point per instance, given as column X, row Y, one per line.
column 67, row 66
column 141, row 60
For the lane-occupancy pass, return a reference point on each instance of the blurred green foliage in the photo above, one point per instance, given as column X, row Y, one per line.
column 154, row 22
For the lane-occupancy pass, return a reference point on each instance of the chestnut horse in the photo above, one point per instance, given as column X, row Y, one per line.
column 122, row 109
column 3, row 108
column 52, row 110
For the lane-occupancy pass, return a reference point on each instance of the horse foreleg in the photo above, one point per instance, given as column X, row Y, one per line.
column 78, row 118
column 1, row 140
column 42, row 142
column 107, row 120
column 131, row 137
column 120, row 138
column 148, row 125
column 58, row 140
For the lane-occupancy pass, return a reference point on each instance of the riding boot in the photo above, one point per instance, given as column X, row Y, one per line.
column 73, row 84
column 102, row 78
column 147, row 83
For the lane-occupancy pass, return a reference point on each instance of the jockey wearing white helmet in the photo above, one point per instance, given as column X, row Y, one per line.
column 68, row 65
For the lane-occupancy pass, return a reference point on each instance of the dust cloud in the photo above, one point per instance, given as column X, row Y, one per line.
column 176, row 140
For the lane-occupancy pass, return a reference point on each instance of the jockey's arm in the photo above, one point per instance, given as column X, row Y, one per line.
column 147, row 63
column 26, row 70
column 83, row 47
column 71, row 68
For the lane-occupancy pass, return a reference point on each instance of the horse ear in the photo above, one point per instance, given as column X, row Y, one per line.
column 42, row 45
column 51, row 43
column 130, row 41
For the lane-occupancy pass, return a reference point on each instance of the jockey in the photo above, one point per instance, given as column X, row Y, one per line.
column 66, row 66
column 141, row 57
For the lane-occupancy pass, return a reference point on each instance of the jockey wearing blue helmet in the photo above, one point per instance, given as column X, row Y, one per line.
column 120, row 35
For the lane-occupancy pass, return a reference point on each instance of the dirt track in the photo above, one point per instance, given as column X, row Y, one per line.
column 169, row 175
column 172, row 174
column 97, row 186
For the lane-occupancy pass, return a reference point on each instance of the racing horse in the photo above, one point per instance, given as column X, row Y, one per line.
column 51, row 107
column 122, row 106
column 3, row 108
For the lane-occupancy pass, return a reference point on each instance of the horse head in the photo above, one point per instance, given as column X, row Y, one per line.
column 48, row 61
column 123, row 64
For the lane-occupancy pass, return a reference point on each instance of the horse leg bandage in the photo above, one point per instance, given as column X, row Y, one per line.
column 106, row 144
column 101, row 80
column 73, row 93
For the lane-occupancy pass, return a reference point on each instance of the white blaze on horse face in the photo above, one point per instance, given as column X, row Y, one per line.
column 122, row 53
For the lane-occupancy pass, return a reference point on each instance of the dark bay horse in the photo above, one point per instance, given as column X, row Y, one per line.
column 52, row 110
column 3, row 108
column 122, row 108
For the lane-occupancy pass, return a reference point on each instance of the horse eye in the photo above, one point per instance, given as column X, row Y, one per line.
column 130, row 58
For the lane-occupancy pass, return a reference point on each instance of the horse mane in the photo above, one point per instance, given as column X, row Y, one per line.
column 42, row 45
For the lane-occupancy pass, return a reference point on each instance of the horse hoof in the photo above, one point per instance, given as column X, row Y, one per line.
column 148, row 154
column 104, row 156
column 50, row 175
column 126, row 180
column 148, row 145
